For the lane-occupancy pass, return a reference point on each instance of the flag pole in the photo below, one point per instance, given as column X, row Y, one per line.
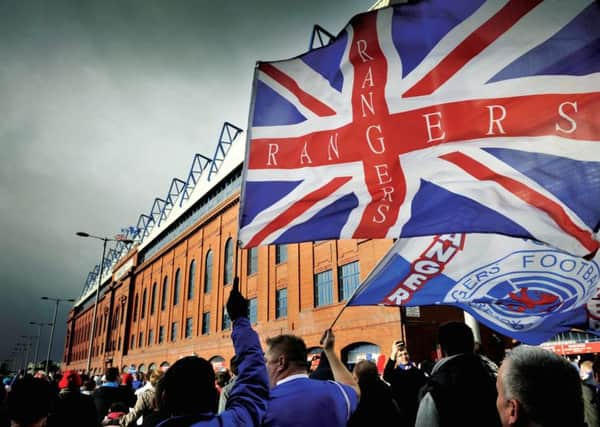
column 235, row 262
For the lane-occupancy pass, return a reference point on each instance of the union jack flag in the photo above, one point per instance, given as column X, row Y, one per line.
column 428, row 118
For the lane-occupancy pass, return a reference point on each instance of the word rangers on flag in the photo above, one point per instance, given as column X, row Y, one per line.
column 530, row 292
column 432, row 117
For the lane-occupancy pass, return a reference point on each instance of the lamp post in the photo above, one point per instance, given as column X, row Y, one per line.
column 105, row 240
column 37, row 344
column 27, row 348
column 57, row 301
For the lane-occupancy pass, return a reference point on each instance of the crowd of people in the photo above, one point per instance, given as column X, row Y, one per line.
column 274, row 387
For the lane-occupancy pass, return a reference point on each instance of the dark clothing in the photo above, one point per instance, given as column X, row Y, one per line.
column 323, row 371
column 376, row 407
column 405, row 384
column 73, row 409
column 105, row 396
column 460, row 392
column 590, row 404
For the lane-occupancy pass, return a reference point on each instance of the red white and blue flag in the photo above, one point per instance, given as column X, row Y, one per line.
column 518, row 287
column 428, row 118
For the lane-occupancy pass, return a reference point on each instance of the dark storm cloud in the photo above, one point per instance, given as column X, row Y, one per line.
column 101, row 104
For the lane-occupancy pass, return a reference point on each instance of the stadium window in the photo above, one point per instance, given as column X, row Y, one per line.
column 226, row 323
column 161, row 334
column 165, row 291
column 348, row 280
column 280, row 254
column 205, row 323
column 281, row 303
column 252, row 261
column 143, row 313
column 208, row 270
column 174, row 331
column 131, row 344
column 191, row 278
column 253, row 310
column 228, row 259
column 176, row 287
column 323, row 288
column 141, row 340
column 135, row 306
column 150, row 337
column 153, row 298
column 188, row 327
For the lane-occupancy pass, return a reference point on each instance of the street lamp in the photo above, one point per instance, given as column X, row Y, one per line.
column 57, row 301
column 27, row 347
column 37, row 344
column 93, row 328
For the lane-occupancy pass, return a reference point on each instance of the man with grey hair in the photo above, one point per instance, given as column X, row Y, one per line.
column 538, row 388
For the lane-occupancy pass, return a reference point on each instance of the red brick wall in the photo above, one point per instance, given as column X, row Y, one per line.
column 376, row 325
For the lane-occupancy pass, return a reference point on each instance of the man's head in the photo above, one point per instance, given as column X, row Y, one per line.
column 188, row 387
column 286, row 355
column 456, row 338
column 403, row 356
column 29, row 402
column 112, row 375
column 364, row 371
column 71, row 380
column 538, row 387
column 586, row 370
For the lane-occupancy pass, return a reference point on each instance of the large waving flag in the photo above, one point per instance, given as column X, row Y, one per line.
column 529, row 292
column 433, row 117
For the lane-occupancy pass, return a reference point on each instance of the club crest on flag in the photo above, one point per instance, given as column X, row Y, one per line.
column 522, row 289
column 519, row 287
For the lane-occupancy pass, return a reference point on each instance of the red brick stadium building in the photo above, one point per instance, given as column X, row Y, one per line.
column 163, row 297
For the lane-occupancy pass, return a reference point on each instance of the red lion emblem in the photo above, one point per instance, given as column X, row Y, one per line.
column 537, row 301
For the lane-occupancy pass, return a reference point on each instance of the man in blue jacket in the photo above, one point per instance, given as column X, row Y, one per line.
column 297, row 400
column 187, row 393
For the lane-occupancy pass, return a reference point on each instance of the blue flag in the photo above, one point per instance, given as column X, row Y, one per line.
column 518, row 287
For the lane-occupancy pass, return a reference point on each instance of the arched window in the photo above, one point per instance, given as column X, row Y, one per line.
column 176, row 287
column 356, row 352
column 228, row 273
column 208, row 272
column 191, row 278
column 144, row 298
column 218, row 362
column 165, row 290
column 153, row 299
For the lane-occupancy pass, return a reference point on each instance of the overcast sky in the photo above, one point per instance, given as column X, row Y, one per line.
column 102, row 103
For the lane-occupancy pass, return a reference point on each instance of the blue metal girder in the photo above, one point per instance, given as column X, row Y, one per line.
column 145, row 224
column 157, row 208
column 320, row 35
column 175, row 190
column 110, row 257
column 229, row 133
column 198, row 166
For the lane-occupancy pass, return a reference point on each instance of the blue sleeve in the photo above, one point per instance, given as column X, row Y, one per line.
column 352, row 398
column 247, row 402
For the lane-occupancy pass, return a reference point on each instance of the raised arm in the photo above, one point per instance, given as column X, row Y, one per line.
column 247, row 403
column 340, row 373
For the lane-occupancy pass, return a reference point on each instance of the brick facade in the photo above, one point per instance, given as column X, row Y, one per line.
column 134, row 308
